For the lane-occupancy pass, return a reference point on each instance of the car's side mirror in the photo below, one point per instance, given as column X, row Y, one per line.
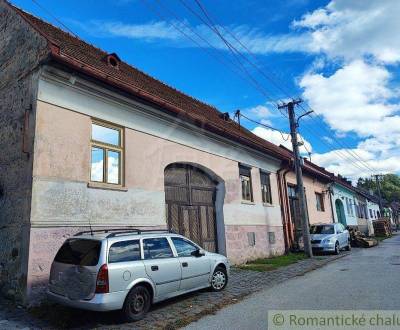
column 198, row 253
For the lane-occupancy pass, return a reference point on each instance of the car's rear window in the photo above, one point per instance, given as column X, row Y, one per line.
column 83, row 252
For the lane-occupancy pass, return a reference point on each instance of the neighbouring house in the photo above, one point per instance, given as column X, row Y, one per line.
column 88, row 140
column 344, row 202
column 316, row 182
column 367, row 209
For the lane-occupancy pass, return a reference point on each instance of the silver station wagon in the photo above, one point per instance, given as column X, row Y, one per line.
column 129, row 270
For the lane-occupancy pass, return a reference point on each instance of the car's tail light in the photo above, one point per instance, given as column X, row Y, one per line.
column 102, row 280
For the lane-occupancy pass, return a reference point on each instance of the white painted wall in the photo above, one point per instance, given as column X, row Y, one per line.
column 350, row 213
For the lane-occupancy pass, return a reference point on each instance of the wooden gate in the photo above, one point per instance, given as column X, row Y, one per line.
column 294, row 206
column 190, row 204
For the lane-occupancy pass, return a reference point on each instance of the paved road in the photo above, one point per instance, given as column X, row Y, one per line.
column 367, row 279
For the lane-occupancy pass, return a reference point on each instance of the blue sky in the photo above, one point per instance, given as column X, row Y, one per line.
column 338, row 55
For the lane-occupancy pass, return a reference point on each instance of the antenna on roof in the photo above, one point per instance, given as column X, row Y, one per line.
column 90, row 227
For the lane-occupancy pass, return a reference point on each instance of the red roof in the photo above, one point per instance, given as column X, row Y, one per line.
column 311, row 168
column 89, row 60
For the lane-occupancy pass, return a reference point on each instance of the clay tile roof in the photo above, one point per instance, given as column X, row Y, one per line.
column 311, row 168
column 74, row 52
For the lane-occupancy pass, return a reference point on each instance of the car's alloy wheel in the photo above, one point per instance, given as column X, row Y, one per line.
column 337, row 249
column 348, row 247
column 137, row 303
column 219, row 279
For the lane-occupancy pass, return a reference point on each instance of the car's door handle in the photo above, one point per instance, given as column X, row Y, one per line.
column 184, row 264
column 154, row 268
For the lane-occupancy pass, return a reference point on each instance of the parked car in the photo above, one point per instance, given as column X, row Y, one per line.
column 131, row 269
column 330, row 237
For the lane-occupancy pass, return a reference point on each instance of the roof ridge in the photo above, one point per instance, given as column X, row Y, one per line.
column 29, row 15
column 86, row 58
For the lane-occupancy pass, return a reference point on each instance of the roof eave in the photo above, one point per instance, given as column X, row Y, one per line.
column 130, row 89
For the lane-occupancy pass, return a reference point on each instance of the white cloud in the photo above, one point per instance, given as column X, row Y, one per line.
column 356, row 93
column 151, row 31
column 255, row 40
column 341, row 162
column 351, row 29
column 347, row 29
column 357, row 98
column 276, row 137
column 265, row 111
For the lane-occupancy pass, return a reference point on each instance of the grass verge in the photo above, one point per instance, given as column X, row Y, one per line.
column 381, row 238
column 267, row 264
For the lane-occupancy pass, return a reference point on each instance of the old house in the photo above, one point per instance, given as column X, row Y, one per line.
column 344, row 198
column 89, row 141
column 316, row 182
column 367, row 210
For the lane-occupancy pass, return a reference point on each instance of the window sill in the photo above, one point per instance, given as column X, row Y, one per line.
column 268, row 205
column 248, row 202
column 105, row 186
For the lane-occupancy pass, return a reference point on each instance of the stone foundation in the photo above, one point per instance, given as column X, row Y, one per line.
column 239, row 249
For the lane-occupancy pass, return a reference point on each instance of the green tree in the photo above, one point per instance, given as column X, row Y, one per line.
column 390, row 187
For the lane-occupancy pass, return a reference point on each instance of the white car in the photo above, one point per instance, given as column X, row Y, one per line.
column 129, row 270
column 330, row 237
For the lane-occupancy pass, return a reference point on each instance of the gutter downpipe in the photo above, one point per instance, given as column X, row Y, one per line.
column 330, row 199
column 284, row 206
column 281, row 200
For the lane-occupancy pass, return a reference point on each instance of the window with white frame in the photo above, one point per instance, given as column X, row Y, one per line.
column 106, row 153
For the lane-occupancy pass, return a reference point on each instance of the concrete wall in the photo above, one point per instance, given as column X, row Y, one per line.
column 63, row 202
column 21, row 49
column 312, row 185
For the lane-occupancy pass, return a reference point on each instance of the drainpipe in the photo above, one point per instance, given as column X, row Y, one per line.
column 289, row 227
column 330, row 199
column 281, row 201
column 284, row 204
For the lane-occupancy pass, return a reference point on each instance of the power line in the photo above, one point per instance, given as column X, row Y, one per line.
column 235, row 52
column 247, row 76
column 257, row 85
column 243, row 70
column 346, row 147
column 204, row 11
column 202, row 8
column 239, row 114
column 54, row 17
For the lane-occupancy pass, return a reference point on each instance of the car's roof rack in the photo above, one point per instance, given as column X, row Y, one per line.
column 139, row 231
column 124, row 231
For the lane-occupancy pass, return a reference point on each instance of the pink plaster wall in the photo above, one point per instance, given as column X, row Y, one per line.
column 239, row 250
column 62, row 152
column 313, row 185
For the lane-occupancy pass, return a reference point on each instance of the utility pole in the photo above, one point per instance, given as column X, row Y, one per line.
column 378, row 185
column 294, row 123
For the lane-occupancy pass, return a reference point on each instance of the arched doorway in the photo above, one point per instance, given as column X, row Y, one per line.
column 190, row 197
column 340, row 212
